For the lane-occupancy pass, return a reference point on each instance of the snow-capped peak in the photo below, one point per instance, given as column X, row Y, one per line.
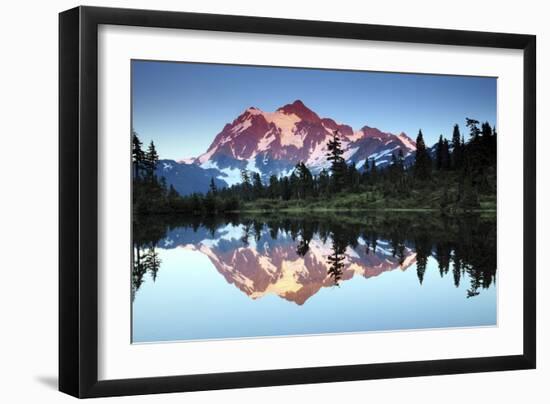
column 278, row 140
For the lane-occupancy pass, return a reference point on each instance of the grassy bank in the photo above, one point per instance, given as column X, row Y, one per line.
column 369, row 201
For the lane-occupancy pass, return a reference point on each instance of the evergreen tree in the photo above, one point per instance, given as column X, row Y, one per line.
column 286, row 191
column 400, row 164
column 373, row 170
column 338, row 164
column 446, row 156
column 323, row 183
column 138, row 156
column 423, row 161
column 213, row 189
column 486, row 130
column 257, row 185
column 472, row 124
column 151, row 161
column 294, row 184
column 273, row 188
column 423, row 251
column 152, row 262
column 439, row 154
column 246, row 185
column 210, row 203
column 304, row 181
column 393, row 169
column 456, row 157
column 336, row 259
column 353, row 177
column 173, row 198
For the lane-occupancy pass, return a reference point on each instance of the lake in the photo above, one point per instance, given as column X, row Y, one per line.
column 261, row 275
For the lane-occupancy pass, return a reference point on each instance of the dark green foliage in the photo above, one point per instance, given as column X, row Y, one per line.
column 138, row 156
column 442, row 154
column 338, row 166
column 423, row 251
column 323, row 183
column 423, row 161
column 257, row 186
column 353, row 178
column 302, row 182
column 150, row 161
column 457, row 145
column 212, row 188
column 336, row 259
column 472, row 124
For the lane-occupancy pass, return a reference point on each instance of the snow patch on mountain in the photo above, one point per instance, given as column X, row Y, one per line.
column 286, row 124
column 356, row 136
column 206, row 156
column 231, row 175
column 239, row 128
column 251, row 166
column 407, row 141
column 209, row 164
column 348, row 153
column 318, row 156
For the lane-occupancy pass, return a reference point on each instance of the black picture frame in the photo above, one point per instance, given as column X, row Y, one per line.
column 78, row 203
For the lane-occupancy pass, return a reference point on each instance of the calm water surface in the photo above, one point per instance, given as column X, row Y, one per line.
column 229, row 277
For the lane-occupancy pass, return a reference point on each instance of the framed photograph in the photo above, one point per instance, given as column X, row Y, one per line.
column 252, row 201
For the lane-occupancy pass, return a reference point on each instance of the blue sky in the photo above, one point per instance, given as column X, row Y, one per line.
column 183, row 106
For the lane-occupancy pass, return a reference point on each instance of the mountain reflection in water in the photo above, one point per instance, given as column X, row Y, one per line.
column 295, row 257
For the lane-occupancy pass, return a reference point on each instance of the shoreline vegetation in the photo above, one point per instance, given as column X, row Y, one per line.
column 456, row 177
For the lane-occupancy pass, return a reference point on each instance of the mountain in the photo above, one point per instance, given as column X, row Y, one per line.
column 188, row 178
column 272, row 143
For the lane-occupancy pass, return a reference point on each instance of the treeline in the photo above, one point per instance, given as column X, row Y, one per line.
column 151, row 194
column 452, row 176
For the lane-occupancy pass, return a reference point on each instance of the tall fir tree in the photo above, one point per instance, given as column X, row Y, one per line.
column 439, row 153
column 336, row 259
column 212, row 188
column 138, row 156
column 323, row 183
column 472, row 124
column 173, row 198
column 257, row 185
column 400, row 162
column 338, row 164
column 354, row 177
column 151, row 161
column 423, row 161
column 273, row 187
column 304, row 181
column 373, row 170
column 246, row 185
column 456, row 156
column 446, row 155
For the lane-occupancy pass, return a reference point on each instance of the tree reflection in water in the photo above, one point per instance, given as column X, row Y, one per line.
column 464, row 245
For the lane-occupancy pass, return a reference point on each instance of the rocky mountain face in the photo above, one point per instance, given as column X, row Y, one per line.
column 272, row 143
